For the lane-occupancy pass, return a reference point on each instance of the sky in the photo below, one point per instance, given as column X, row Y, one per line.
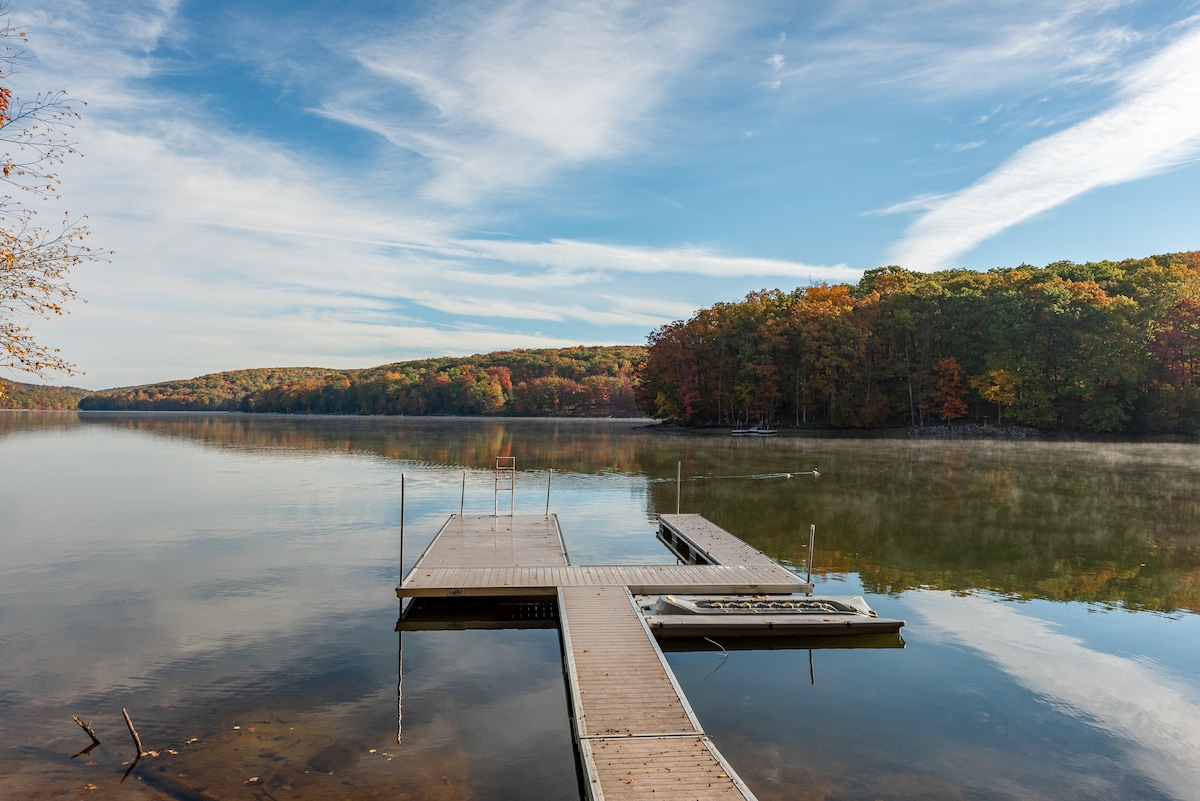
column 293, row 183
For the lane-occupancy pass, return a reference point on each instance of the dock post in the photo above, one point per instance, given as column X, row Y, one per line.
column 812, row 538
column 678, row 484
column 400, row 634
column 401, row 528
column 549, row 476
column 462, row 498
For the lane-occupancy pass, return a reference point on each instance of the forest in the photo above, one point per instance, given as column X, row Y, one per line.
column 16, row 395
column 1096, row 347
column 581, row 381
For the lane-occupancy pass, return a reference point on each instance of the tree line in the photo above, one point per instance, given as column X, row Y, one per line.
column 16, row 395
column 595, row 381
column 1102, row 346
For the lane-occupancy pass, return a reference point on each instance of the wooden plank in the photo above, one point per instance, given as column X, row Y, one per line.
column 665, row 769
column 483, row 540
column 644, row 580
column 717, row 544
column 619, row 679
column 638, row 737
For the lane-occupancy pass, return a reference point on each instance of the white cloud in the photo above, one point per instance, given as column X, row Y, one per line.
column 1154, row 126
column 952, row 48
column 239, row 244
column 515, row 93
column 569, row 255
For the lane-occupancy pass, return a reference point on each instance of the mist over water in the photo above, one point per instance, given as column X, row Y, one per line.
column 230, row 580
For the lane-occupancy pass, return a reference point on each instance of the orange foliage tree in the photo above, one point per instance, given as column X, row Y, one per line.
column 34, row 259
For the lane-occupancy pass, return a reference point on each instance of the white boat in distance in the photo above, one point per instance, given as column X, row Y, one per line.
column 754, row 431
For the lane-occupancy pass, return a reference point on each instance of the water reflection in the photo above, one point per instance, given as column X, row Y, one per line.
column 218, row 571
column 1134, row 699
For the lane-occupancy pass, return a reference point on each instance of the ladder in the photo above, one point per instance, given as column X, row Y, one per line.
column 506, row 481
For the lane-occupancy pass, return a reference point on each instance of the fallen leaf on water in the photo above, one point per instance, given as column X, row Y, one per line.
column 172, row 751
column 89, row 787
column 372, row 751
column 92, row 763
column 250, row 729
column 252, row 780
column 152, row 753
column 194, row 740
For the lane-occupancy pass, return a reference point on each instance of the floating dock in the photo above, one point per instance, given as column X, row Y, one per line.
column 492, row 556
column 636, row 735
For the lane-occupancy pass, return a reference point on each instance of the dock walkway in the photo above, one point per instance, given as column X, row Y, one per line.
column 638, row 737
column 636, row 734
column 709, row 543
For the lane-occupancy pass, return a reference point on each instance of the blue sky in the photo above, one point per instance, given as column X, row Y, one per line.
column 305, row 184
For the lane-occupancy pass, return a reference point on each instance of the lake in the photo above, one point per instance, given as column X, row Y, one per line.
column 229, row 579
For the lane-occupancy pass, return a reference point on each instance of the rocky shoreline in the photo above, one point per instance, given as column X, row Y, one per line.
column 974, row 431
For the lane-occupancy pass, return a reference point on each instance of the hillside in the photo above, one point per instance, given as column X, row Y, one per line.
column 1097, row 347
column 571, row 381
column 15, row 395
column 216, row 392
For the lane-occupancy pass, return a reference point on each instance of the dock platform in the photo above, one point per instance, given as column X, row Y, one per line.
column 636, row 735
column 698, row 540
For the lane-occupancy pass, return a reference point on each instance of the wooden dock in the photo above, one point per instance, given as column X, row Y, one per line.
column 701, row 540
column 637, row 736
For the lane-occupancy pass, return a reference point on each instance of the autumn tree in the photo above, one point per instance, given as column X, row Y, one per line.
column 998, row 386
column 948, row 395
column 35, row 259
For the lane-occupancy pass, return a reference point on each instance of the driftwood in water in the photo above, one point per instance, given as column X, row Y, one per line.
column 137, row 741
column 88, row 728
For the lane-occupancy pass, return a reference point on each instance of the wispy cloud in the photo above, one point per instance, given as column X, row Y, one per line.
column 568, row 255
column 279, row 191
column 509, row 95
column 1153, row 126
column 957, row 48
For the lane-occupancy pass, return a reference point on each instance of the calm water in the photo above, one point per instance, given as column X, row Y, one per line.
column 230, row 580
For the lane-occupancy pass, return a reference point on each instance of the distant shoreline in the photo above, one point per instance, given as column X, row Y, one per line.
column 969, row 432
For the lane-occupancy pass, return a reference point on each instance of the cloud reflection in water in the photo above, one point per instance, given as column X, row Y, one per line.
column 1134, row 699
